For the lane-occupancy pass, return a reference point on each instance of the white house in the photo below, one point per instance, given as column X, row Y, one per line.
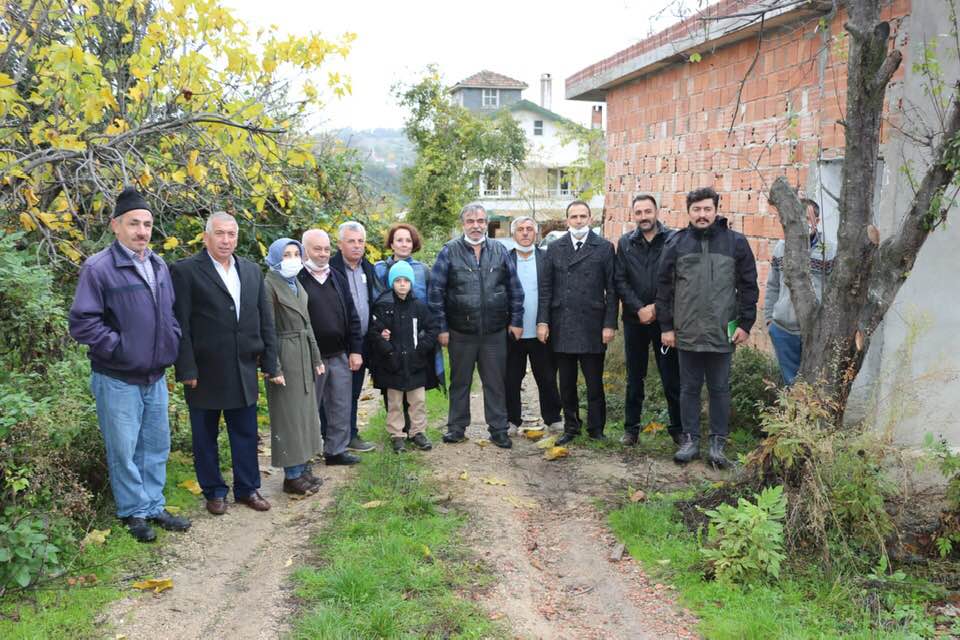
column 549, row 180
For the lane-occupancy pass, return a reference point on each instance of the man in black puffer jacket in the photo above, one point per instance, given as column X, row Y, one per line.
column 706, row 305
column 476, row 296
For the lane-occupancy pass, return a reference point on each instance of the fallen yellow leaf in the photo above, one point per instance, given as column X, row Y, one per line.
column 546, row 443
column 497, row 482
column 96, row 537
column 426, row 552
column 157, row 585
column 533, row 434
column 654, row 427
column 638, row 496
column 520, row 503
column 192, row 486
column 481, row 443
column 172, row 509
column 372, row 504
column 556, row 452
column 464, row 476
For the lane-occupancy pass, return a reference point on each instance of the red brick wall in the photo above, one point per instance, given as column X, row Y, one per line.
column 667, row 132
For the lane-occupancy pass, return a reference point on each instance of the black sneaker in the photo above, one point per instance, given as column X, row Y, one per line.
column 421, row 442
column 398, row 445
column 170, row 522
column 140, row 530
column 628, row 439
column 501, row 439
column 566, row 438
column 360, row 445
column 341, row 458
column 453, row 437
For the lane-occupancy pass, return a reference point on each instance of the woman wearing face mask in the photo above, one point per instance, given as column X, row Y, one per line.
column 291, row 394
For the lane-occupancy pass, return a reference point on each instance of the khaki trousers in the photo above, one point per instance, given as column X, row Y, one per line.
column 418, row 412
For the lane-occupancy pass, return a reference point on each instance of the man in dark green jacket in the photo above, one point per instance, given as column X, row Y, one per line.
column 706, row 305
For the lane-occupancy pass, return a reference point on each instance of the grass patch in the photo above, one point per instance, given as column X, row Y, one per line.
column 396, row 570
column 57, row 610
column 803, row 603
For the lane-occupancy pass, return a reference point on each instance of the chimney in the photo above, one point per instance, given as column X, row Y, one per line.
column 545, row 90
column 596, row 117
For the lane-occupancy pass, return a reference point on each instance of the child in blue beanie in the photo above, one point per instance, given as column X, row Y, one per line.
column 403, row 337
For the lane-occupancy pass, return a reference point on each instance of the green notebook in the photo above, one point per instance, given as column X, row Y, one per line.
column 732, row 327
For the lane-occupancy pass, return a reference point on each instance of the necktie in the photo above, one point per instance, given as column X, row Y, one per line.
column 579, row 244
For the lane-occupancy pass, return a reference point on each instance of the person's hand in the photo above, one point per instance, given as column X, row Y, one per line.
column 647, row 314
column 385, row 334
column 444, row 338
column 516, row 332
column 356, row 361
column 740, row 336
column 608, row 334
column 669, row 339
column 321, row 369
column 543, row 332
column 277, row 380
column 190, row 383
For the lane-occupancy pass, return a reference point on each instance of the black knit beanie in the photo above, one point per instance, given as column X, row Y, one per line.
column 128, row 200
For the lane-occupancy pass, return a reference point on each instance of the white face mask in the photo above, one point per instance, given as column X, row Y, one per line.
column 580, row 233
column 473, row 242
column 289, row 267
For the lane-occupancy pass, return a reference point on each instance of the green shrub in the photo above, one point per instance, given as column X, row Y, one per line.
column 746, row 542
column 26, row 553
column 754, row 375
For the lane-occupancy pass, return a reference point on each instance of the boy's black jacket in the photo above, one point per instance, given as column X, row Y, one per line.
column 396, row 363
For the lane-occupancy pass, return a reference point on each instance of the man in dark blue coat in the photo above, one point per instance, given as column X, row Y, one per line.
column 123, row 311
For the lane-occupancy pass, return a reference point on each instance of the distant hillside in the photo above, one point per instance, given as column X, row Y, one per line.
column 385, row 153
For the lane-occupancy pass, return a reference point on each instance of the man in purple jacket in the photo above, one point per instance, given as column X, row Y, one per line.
column 123, row 311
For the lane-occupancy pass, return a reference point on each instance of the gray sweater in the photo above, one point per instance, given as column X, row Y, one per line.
column 777, row 306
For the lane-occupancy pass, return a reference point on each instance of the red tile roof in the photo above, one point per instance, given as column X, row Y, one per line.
column 489, row 80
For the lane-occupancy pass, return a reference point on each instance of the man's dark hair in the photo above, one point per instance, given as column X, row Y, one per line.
column 576, row 203
column 807, row 202
column 644, row 196
column 703, row 193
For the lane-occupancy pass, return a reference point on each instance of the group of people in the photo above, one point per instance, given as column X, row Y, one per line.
column 317, row 321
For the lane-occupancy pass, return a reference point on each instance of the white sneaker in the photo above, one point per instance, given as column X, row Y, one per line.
column 556, row 427
column 512, row 429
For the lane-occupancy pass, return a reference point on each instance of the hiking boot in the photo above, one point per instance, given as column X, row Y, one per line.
column 398, row 445
column 300, row 486
column 453, row 437
column 566, row 438
column 628, row 439
column 689, row 449
column 314, row 480
column 715, row 455
column 140, row 530
column 359, row 444
column 501, row 439
column 421, row 442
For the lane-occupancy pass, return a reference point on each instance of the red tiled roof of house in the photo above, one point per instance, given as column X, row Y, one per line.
column 490, row 80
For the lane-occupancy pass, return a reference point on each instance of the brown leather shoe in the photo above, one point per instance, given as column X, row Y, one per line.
column 217, row 506
column 314, row 480
column 255, row 501
column 299, row 486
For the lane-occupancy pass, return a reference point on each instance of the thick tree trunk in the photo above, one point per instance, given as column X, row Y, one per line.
column 866, row 275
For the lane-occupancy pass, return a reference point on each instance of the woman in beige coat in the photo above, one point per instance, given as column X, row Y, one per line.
column 291, row 395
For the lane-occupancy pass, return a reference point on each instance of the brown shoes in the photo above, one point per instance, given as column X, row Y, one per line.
column 301, row 486
column 217, row 506
column 255, row 501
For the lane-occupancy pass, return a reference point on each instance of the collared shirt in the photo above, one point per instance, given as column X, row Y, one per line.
column 527, row 273
column 231, row 279
column 358, row 290
column 582, row 240
column 144, row 267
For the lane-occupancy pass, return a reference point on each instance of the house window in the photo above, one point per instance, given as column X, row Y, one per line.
column 538, row 127
column 491, row 98
column 496, row 183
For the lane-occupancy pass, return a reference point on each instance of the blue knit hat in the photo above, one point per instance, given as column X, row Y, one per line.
column 401, row 270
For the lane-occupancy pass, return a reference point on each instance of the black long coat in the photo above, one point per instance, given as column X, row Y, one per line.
column 219, row 351
column 578, row 299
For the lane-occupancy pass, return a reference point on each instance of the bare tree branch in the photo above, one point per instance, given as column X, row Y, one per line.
column 796, row 259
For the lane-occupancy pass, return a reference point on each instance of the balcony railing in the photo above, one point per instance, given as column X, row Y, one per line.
column 545, row 194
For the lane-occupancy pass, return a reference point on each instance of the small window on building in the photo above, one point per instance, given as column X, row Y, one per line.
column 491, row 98
column 538, row 127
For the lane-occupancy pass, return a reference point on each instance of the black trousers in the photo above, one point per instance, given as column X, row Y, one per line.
column 695, row 366
column 544, row 372
column 592, row 366
column 242, row 432
column 637, row 339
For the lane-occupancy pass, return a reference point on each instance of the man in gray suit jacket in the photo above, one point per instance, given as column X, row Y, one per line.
column 578, row 314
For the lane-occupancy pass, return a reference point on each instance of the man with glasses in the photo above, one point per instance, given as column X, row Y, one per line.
column 476, row 296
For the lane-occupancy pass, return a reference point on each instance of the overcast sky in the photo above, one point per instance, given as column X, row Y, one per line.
column 518, row 38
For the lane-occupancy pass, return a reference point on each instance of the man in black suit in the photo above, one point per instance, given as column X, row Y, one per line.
column 351, row 262
column 528, row 260
column 578, row 314
column 228, row 331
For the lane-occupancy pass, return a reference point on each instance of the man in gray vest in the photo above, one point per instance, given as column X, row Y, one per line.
column 476, row 296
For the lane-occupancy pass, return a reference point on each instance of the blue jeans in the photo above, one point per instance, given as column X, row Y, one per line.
column 788, row 348
column 294, row 472
column 136, row 434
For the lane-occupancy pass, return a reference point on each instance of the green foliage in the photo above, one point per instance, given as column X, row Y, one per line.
column 745, row 542
column 753, row 387
column 947, row 538
column 453, row 148
column 591, row 164
column 26, row 552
